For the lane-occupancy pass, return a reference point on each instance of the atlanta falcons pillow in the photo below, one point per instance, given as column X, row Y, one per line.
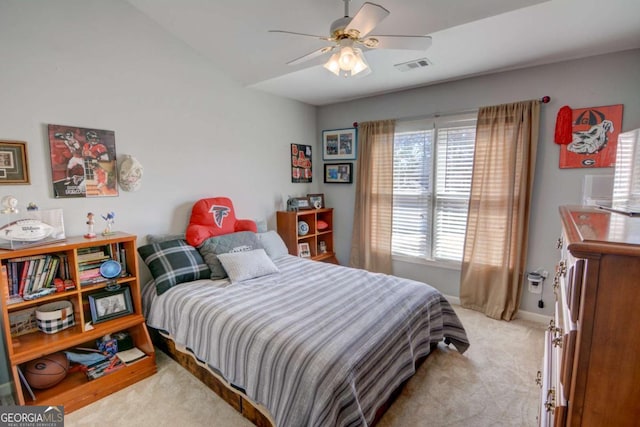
column 214, row 217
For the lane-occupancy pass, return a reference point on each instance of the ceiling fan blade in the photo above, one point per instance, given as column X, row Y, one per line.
column 301, row 34
column 398, row 42
column 367, row 18
column 309, row 56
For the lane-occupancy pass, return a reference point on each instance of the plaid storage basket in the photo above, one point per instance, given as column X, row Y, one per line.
column 55, row 316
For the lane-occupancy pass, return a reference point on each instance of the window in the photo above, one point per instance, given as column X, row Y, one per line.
column 432, row 167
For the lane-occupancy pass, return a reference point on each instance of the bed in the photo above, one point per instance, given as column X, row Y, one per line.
column 305, row 342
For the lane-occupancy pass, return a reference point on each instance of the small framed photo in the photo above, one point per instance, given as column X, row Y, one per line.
column 108, row 305
column 13, row 163
column 338, row 173
column 339, row 144
column 303, row 203
column 303, row 250
column 316, row 200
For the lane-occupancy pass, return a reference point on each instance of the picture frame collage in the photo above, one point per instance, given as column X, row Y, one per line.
column 339, row 145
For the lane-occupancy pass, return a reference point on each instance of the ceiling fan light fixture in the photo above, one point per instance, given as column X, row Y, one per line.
column 348, row 62
column 333, row 64
column 360, row 63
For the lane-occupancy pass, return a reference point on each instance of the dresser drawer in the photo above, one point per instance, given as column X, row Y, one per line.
column 566, row 369
column 575, row 288
column 553, row 404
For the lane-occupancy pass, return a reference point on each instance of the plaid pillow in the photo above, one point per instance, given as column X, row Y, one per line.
column 173, row 262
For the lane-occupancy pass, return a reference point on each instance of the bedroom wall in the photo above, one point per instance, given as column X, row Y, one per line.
column 197, row 132
column 596, row 81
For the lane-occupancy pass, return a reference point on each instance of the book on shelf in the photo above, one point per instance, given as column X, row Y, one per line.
column 90, row 265
column 23, row 277
column 91, row 254
column 64, row 272
column 92, row 272
column 13, row 272
column 51, row 273
column 98, row 369
column 37, row 274
column 122, row 259
column 29, row 277
column 131, row 356
column 26, row 385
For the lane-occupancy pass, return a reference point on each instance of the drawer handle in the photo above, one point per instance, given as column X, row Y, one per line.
column 550, row 404
column 539, row 378
column 557, row 341
column 553, row 328
column 562, row 268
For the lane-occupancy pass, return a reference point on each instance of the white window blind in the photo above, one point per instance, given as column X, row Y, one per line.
column 433, row 161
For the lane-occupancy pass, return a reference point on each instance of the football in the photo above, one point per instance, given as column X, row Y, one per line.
column 46, row 371
column 25, row 230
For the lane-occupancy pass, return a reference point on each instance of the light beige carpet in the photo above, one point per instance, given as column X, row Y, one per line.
column 492, row 384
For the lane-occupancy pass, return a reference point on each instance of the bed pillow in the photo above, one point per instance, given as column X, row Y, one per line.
column 173, row 262
column 159, row 238
column 273, row 244
column 247, row 265
column 261, row 225
column 234, row 242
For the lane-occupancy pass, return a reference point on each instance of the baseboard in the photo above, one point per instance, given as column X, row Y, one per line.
column 452, row 299
column 533, row 317
column 524, row 315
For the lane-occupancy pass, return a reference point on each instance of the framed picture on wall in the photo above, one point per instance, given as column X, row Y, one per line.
column 301, row 166
column 595, row 133
column 13, row 163
column 83, row 162
column 338, row 173
column 339, row 144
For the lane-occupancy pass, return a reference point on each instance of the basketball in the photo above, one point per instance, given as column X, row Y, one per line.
column 46, row 371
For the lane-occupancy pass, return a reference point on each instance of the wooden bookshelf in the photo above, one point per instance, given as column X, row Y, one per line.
column 76, row 391
column 288, row 229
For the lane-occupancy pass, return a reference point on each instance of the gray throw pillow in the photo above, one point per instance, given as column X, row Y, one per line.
column 233, row 242
column 273, row 244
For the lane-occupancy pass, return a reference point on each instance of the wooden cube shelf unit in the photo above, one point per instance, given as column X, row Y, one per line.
column 288, row 230
column 75, row 390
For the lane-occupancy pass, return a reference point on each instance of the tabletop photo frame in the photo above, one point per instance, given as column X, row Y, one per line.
column 304, row 251
column 108, row 305
column 339, row 144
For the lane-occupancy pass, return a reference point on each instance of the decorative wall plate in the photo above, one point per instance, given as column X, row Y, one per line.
column 303, row 228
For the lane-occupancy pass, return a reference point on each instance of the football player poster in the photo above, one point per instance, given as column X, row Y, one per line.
column 595, row 133
column 83, row 162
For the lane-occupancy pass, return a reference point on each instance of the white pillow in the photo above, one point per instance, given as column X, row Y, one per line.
column 247, row 265
column 273, row 244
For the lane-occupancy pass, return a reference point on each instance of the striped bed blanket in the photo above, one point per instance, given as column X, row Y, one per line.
column 317, row 344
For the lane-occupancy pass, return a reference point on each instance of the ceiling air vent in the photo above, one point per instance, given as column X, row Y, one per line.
column 413, row 65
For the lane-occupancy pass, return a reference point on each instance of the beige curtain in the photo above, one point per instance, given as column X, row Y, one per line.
column 372, row 219
column 496, row 241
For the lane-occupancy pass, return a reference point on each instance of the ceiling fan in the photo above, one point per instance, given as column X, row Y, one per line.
column 350, row 35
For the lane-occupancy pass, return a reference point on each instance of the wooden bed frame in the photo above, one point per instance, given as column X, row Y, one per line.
column 235, row 397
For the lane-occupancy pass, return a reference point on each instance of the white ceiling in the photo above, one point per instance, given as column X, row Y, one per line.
column 470, row 37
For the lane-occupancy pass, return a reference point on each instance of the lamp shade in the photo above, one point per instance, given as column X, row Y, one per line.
column 348, row 62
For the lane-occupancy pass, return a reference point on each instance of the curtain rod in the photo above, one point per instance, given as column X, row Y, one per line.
column 545, row 100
